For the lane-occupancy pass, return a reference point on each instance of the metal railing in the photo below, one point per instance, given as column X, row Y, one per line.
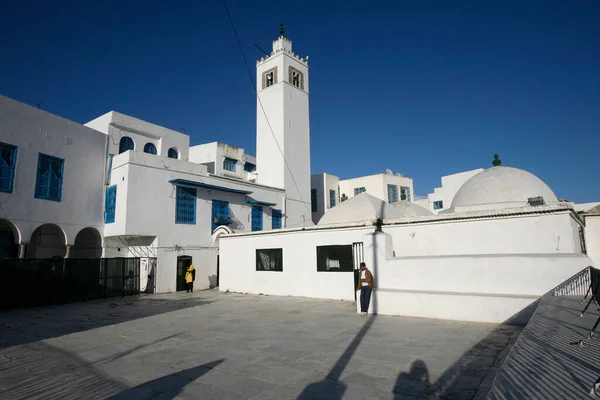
column 42, row 282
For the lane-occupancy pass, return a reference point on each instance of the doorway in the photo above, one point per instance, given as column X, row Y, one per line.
column 358, row 256
column 183, row 262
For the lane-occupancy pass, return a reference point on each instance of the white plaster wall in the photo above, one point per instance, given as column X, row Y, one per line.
column 205, row 154
column 398, row 181
column 36, row 131
column 372, row 183
column 450, row 185
column 331, row 183
column 540, row 233
column 117, row 125
column 299, row 276
column 285, row 129
column 317, row 182
column 141, row 177
column 486, row 288
column 592, row 238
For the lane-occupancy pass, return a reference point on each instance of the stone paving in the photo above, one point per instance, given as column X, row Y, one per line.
column 211, row 345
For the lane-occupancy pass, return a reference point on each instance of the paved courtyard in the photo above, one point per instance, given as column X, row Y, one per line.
column 211, row 345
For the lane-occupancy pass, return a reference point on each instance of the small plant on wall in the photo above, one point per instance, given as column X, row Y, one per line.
column 378, row 224
column 344, row 197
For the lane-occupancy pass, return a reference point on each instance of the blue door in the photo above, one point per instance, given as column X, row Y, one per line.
column 220, row 213
column 257, row 218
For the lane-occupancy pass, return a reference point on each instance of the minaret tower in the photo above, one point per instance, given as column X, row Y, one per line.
column 282, row 126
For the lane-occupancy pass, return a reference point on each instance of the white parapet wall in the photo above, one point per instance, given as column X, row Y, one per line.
column 484, row 288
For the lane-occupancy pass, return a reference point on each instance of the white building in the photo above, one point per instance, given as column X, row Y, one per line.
column 283, row 129
column 328, row 190
column 488, row 261
column 442, row 197
column 51, row 184
column 224, row 160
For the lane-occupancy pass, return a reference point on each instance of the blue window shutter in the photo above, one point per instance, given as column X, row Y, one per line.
column 229, row 164
column 150, row 148
column 49, row 178
column 110, row 204
column 276, row 219
column 126, row 143
column 185, row 206
column 257, row 218
column 8, row 161
column 220, row 211
column 392, row 193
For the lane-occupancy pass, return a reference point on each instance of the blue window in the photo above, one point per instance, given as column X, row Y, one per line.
column 392, row 193
column 220, row 213
column 276, row 217
column 229, row 164
column 359, row 190
column 249, row 167
column 331, row 198
column 438, row 205
column 313, row 200
column 185, row 208
column 173, row 153
column 125, row 144
column 8, row 160
column 150, row 148
column 257, row 218
column 48, row 185
column 110, row 204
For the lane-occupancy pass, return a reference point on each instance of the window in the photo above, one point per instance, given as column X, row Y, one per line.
column 335, row 258
column 220, row 213
column 359, row 190
column 438, row 205
column 257, row 218
column 269, row 78
column 48, row 184
column 331, row 198
column 269, row 260
column 276, row 219
column 125, row 144
column 249, row 167
column 185, row 206
column 110, row 204
column 296, row 78
column 404, row 193
column 229, row 164
column 392, row 193
column 313, row 200
column 173, row 153
column 8, row 161
column 150, row 148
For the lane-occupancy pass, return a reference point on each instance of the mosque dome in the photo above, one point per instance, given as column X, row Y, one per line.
column 411, row 209
column 501, row 187
column 364, row 207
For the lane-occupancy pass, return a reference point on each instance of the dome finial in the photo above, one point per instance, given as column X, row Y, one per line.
column 497, row 162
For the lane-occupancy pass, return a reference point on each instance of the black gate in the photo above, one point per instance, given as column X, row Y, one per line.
column 41, row 282
column 357, row 257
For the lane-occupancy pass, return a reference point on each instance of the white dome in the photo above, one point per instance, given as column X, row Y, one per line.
column 501, row 187
column 362, row 207
column 411, row 209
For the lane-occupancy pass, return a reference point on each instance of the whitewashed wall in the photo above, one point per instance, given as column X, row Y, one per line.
column 376, row 185
column 299, row 276
column 483, row 288
column 36, row 131
column 450, row 185
column 140, row 177
column 592, row 238
column 536, row 233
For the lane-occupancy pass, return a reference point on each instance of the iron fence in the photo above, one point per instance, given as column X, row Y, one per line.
column 42, row 282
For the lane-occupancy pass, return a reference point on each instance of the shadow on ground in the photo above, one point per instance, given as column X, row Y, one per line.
column 16, row 325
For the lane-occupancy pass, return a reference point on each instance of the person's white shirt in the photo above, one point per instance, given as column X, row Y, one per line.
column 363, row 275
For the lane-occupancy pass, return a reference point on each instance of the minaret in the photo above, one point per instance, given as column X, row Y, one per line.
column 282, row 126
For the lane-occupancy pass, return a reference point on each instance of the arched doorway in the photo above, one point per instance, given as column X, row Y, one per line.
column 88, row 244
column 47, row 241
column 8, row 240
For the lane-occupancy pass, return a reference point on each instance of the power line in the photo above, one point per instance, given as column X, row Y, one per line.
column 261, row 105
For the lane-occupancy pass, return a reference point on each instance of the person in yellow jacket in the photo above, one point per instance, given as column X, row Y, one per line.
column 190, row 277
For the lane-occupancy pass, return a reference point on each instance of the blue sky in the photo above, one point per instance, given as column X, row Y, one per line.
column 423, row 88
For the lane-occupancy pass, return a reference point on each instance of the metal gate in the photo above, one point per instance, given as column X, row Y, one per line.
column 358, row 256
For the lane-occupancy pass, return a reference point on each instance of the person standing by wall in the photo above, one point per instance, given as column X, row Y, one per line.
column 190, row 277
column 365, row 285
